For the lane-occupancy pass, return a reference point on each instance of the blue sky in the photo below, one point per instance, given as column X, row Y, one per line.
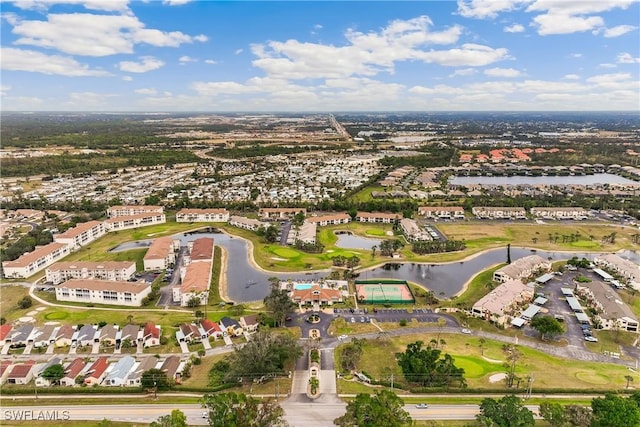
column 179, row 55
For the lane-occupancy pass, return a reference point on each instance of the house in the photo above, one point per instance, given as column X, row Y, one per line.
column 151, row 335
column 161, row 254
column 412, row 232
column 202, row 215
column 64, row 336
column 247, row 223
column 21, row 373
column 172, row 368
column 104, row 270
column 441, row 212
column 19, row 336
column 128, row 334
column 230, row 326
column 129, row 210
column 135, row 377
column 211, row 328
column 188, row 332
column 40, row 368
column 5, row 331
column 32, row 262
column 84, row 336
column 522, row 268
column 81, row 235
column 316, row 295
column 103, row 292
column 96, row 372
column 72, row 371
column 42, row 337
column 5, row 370
column 490, row 212
column 280, row 213
column 333, row 219
column 611, row 311
column 108, row 335
column 119, row 371
column 249, row 323
column 378, row 217
column 134, row 221
column 501, row 303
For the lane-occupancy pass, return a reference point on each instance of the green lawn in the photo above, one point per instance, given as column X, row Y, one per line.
column 9, row 297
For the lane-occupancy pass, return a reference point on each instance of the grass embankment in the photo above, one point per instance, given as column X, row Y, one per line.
column 480, row 364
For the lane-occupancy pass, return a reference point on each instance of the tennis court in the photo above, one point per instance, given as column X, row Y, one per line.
column 383, row 292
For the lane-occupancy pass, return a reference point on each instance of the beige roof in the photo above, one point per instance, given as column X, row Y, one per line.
column 502, row 296
column 159, row 248
column 148, row 208
column 78, row 230
column 130, row 217
column 202, row 211
column 328, row 217
column 514, row 269
column 613, row 307
column 378, row 215
column 91, row 265
column 104, row 285
column 440, row 208
column 283, row 210
column 202, row 249
column 558, row 209
column 196, row 278
column 34, row 255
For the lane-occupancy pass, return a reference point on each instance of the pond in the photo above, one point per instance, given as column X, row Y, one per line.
column 350, row 241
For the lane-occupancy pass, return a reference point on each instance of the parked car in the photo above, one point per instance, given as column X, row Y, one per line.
column 590, row 338
column 362, row 319
column 465, row 331
column 353, row 320
column 342, row 337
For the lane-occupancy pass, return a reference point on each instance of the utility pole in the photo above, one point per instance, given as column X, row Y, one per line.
column 530, row 386
column 391, row 382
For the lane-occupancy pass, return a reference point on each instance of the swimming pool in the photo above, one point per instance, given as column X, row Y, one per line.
column 302, row 286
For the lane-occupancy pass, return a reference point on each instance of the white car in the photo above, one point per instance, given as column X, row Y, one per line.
column 466, row 331
column 342, row 337
column 590, row 338
column 205, row 414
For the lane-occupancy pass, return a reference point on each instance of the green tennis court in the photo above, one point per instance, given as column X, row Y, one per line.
column 383, row 292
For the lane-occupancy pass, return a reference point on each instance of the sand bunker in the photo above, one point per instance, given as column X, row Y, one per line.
column 497, row 377
column 26, row 319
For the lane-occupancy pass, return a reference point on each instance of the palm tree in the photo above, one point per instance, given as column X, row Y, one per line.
column 373, row 251
column 629, row 379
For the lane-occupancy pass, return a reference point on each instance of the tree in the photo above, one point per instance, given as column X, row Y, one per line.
column 350, row 354
column 629, row 379
column 53, row 373
column 194, row 301
column 513, row 356
column 546, row 326
column 383, row 409
column 425, row 366
column 553, row 413
column 25, row 302
column 279, row 304
column 237, row 409
column 577, row 415
column 177, row 418
column 506, row 412
column 271, row 233
column 155, row 379
column 614, row 410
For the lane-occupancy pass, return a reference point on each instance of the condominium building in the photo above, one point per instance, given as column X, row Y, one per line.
column 560, row 213
column 131, row 210
column 197, row 274
column 611, row 311
column 93, row 291
column 107, row 270
column 522, row 268
column 412, row 232
column 305, row 233
column 623, row 267
column 81, row 235
column 161, row 254
column 32, row 262
column 490, row 212
column 378, row 217
column 247, row 223
column 134, row 221
column 334, row 219
column 441, row 212
column 280, row 213
column 500, row 305
column 202, row 215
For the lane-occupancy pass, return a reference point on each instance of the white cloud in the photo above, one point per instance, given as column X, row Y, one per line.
column 239, row 51
column 583, row 7
column 107, row 6
column 502, row 72
column 549, row 24
column 571, row 77
column 611, row 81
column 515, row 28
column 147, row 63
column 38, row 62
column 607, row 65
column 146, row 91
column 88, row 100
column 487, row 8
column 94, row 35
column 627, row 58
column 464, row 72
column 175, row 2
column 618, row 30
column 4, row 89
column 468, row 55
column 576, row 55
column 210, row 61
column 127, row 78
column 185, row 59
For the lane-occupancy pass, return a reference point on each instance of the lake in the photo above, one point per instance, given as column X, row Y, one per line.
column 599, row 178
column 350, row 241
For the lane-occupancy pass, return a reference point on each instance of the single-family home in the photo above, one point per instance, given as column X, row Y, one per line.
column 135, row 377
column 188, row 332
column 21, row 373
column 96, row 372
column 44, row 336
column 20, row 336
column 151, row 335
column 249, row 323
column 108, row 335
column 119, row 371
column 127, row 336
column 5, row 370
column 40, row 368
column 231, row 326
column 211, row 328
column 64, row 336
column 84, row 336
column 172, row 368
column 5, row 331
column 72, row 371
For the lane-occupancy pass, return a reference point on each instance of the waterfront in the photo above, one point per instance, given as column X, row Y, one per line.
column 596, row 179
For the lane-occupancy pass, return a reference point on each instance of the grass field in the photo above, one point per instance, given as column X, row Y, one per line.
column 9, row 297
column 378, row 359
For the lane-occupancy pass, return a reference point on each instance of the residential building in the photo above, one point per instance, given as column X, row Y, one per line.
column 188, row 332
column 197, row 275
column 108, row 334
column 333, row 219
column 211, row 328
column 280, row 213
column 135, row 377
column 96, row 372
column 501, row 304
column 249, row 323
column 81, row 235
column 172, row 367
column 611, row 311
column 230, row 326
column 21, row 373
column 378, row 217
column 72, row 371
column 247, row 223
column 305, row 233
column 5, row 370
column 5, row 331
column 103, row 292
column 128, row 334
column 202, row 215
column 522, row 268
column 161, row 254
column 19, row 336
column 490, row 212
column 64, row 336
column 131, row 210
column 622, row 267
column 84, row 336
column 40, row 368
column 560, row 213
column 134, row 221
column 316, row 295
column 151, row 335
column 119, row 371
column 441, row 212
column 107, row 270
column 412, row 232
column 44, row 336
column 32, row 262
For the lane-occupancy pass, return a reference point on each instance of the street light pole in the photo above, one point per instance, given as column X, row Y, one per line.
column 155, row 390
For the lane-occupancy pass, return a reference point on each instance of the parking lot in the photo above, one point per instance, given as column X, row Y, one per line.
column 363, row 315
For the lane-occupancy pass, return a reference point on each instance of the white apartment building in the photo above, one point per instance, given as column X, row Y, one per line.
column 499, row 305
column 490, row 212
column 306, row 233
column 161, row 254
column 625, row 268
column 247, row 223
column 560, row 213
column 335, row 219
column 92, row 291
column 441, row 212
column 280, row 213
column 32, row 262
column 81, row 235
column 132, row 210
column 202, row 215
column 611, row 311
column 134, row 221
column 412, row 232
column 197, row 274
column 107, row 270
column 378, row 217
column 521, row 268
